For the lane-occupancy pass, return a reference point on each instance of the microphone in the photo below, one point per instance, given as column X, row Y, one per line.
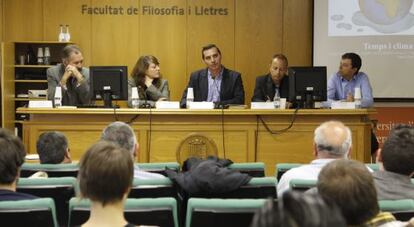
column 144, row 105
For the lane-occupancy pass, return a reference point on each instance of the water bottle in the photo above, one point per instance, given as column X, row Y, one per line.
column 135, row 98
column 40, row 56
column 357, row 97
column 67, row 34
column 190, row 97
column 276, row 99
column 61, row 36
column 46, row 57
column 58, row 97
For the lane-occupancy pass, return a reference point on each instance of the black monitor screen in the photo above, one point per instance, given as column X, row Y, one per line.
column 307, row 83
column 109, row 78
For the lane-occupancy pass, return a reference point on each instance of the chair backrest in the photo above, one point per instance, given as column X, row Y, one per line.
column 158, row 167
column 254, row 169
column 52, row 170
column 36, row 212
column 373, row 166
column 158, row 211
column 256, row 188
column 60, row 189
column 301, row 185
column 152, row 188
column 281, row 168
column 402, row 210
column 221, row 212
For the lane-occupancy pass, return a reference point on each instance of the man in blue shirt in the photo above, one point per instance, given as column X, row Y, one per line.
column 341, row 85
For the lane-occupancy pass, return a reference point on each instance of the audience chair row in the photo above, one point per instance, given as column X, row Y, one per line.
column 157, row 211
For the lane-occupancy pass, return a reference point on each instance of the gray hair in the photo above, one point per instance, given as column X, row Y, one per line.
column 69, row 49
column 120, row 134
column 334, row 138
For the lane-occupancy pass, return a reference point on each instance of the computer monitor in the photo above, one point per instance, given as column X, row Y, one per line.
column 109, row 83
column 307, row 85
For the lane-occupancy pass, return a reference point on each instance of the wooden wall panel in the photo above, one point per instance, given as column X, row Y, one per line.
column 1, row 20
column 250, row 33
column 297, row 31
column 258, row 36
column 202, row 30
column 24, row 20
column 115, row 38
column 69, row 12
column 165, row 37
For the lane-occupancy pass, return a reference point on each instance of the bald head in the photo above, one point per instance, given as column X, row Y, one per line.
column 333, row 140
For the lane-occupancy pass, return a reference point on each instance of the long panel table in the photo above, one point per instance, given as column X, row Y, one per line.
column 242, row 135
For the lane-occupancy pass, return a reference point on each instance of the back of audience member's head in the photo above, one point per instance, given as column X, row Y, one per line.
column 52, row 148
column 122, row 135
column 332, row 139
column 350, row 185
column 12, row 155
column 296, row 209
column 397, row 153
column 105, row 173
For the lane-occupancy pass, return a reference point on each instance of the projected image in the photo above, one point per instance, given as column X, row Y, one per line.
column 370, row 17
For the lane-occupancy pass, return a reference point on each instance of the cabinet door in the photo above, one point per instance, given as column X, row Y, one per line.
column 7, row 86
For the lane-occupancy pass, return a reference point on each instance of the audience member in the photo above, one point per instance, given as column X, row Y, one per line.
column 147, row 78
column 396, row 160
column 12, row 156
column 123, row 135
column 105, row 177
column 216, row 83
column 332, row 140
column 52, row 148
column 295, row 209
column 71, row 76
column 350, row 185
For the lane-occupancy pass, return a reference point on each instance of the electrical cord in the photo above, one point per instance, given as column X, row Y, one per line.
column 281, row 130
column 222, row 131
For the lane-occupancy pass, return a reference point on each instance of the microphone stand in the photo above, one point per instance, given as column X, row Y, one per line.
column 145, row 105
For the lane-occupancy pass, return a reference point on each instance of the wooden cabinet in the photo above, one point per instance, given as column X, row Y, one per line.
column 21, row 73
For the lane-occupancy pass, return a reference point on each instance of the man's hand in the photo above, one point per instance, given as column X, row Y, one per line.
column 349, row 97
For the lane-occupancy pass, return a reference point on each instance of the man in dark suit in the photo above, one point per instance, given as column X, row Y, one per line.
column 266, row 85
column 215, row 83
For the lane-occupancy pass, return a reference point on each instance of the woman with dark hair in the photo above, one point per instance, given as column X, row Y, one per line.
column 147, row 78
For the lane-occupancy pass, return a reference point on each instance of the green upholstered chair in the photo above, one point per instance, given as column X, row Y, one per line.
column 53, row 170
column 254, row 169
column 281, row 168
column 301, row 184
column 402, row 210
column 36, row 212
column 159, row 167
column 60, row 189
column 373, row 166
column 157, row 211
column 221, row 212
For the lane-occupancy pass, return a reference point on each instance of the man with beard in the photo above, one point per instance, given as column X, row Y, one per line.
column 71, row 76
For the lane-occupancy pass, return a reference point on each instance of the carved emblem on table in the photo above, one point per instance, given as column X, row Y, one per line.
column 196, row 145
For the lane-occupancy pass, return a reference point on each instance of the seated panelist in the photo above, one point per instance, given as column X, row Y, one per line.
column 215, row 83
column 276, row 80
column 147, row 78
column 71, row 76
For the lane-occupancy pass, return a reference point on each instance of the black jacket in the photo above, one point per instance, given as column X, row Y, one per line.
column 231, row 91
column 265, row 88
column 208, row 177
